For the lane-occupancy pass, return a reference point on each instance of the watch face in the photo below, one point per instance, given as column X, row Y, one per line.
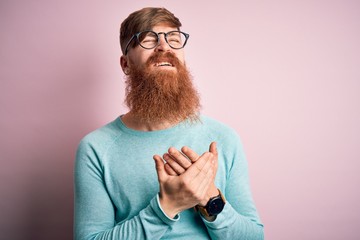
column 215, row 206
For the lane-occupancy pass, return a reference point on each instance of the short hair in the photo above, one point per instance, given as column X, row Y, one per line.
column 145, row 19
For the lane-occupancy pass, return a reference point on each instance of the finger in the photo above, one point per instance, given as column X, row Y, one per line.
column 169, row 170
column 197, row 167
column 213, row 148
column 160, row 170
column 208, row 167
column 179, row 158
column 191, row 154
column 173, row 164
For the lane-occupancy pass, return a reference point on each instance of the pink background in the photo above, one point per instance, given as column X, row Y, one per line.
column 284, row 74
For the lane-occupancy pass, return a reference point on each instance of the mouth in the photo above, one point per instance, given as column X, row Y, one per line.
column 163, row 64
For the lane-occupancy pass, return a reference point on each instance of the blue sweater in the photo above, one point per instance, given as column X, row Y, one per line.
column 116, row 186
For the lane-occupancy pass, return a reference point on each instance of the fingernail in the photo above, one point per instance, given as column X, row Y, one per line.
column 171, row 150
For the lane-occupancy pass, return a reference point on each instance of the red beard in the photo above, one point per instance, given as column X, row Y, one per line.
column 155, row 95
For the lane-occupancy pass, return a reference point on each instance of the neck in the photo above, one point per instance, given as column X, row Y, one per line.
column 133, row 122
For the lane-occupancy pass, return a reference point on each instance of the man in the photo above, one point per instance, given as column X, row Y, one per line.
column 198, row 188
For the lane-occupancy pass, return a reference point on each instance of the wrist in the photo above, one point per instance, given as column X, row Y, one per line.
column 166, row 207
column 213, row 207
column 212, row 192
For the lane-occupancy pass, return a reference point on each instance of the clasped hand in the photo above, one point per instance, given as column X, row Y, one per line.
column 186, row 179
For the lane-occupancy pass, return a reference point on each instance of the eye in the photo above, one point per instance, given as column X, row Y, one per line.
column 147, row 37
column 175, row 40
column 150, row 39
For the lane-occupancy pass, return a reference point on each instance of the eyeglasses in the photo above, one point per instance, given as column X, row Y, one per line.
column 150, row 39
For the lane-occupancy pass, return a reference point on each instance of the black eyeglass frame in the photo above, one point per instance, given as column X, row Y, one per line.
column 136, row 35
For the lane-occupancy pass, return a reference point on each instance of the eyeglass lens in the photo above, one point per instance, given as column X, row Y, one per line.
column 149, row 39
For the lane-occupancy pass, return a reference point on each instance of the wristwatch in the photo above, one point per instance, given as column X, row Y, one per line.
column 213, row 207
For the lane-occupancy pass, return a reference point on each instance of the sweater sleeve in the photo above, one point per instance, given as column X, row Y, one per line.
column 239, row 218
column 94, row 213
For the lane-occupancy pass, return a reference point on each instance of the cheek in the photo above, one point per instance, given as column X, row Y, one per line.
column 139, row 57
column 139, row 61
column 145, row 57
column 181, row 57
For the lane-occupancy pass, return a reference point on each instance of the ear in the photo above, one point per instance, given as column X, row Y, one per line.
column 124, row 63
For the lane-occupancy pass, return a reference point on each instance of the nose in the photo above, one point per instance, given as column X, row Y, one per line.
column 163, row 45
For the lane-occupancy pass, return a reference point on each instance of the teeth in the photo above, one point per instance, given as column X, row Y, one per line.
column 163, row 64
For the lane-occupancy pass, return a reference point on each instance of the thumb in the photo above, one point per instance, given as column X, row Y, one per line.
column 160, row 169
column 213, row 148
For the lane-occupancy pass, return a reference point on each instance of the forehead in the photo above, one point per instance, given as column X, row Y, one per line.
column 163, row 28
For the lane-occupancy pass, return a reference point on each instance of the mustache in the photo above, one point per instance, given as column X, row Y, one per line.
column 163, row 57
